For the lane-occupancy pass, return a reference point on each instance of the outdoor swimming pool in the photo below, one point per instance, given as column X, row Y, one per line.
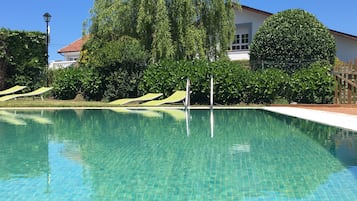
column 174, row 155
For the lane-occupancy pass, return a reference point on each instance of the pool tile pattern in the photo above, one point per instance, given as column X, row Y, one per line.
column 246, row 155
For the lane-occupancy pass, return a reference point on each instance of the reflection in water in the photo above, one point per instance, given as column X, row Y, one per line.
column 146, row 113
column 211, row 122
column 111, row 155
column 20, row 118
column 239, row 148
column 344, row 147
column 187, row 118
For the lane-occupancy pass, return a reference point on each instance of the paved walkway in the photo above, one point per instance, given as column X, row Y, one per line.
column 329, row 117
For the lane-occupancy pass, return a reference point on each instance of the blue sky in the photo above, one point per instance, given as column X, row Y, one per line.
column 68, row 16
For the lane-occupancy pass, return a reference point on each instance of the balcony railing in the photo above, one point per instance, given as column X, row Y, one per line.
column 61, row 64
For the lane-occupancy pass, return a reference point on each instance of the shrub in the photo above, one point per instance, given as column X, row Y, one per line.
column 126, row 52
column 92, row 84
column 230, row 82
column 267, row 85
column 67, row 83
column 290, row 40
column 122, row 84
column 117, row 67
column 22, row 58
column 312, row 85
column 167, row 76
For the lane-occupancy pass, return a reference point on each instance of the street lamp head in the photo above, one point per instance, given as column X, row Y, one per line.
column 47, row 17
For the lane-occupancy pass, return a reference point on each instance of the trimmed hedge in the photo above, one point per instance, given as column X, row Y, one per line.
column 169, row 76
column 67, row 83
column 234, row 84
column 312, row 85
column 267, row 85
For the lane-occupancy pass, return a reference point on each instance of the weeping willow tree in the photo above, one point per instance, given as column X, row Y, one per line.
column 167, row 29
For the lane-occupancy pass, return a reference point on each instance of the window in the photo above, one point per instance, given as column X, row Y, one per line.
column 242, row 37
column 73, row 58
column 240, row 42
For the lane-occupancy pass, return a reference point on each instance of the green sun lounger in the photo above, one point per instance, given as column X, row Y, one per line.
column 12, row 90
column 37, row 92
column 147, row 97
column 175, row 97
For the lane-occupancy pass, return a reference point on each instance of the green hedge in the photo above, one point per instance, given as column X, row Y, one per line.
column 22, row 58
column 67, row 83
column 265, row 86
column 93, row 85
column 234, row 84
column 168, row 76
column 312, row 85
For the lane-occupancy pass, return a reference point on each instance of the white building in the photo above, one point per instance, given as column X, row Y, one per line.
column 70, row 53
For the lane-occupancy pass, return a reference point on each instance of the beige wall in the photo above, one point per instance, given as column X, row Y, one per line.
column 346, row 48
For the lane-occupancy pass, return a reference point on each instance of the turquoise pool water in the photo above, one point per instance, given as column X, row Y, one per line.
column 173, row 155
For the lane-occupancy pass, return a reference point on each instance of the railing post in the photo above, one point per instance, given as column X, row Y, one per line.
column 211, row 92
column 188, row 93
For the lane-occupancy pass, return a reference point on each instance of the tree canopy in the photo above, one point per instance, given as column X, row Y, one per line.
column 166, row 29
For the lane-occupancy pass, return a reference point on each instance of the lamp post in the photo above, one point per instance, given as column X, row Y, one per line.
column 47, row 18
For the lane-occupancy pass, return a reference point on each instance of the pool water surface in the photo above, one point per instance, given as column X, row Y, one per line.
column 123, row 154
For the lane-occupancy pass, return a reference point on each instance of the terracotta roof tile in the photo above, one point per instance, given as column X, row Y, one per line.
column 76, row 46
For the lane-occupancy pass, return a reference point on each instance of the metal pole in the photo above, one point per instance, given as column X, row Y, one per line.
column 211, row 94
column 188, row 92
column 47, row 41
column 212, row 122
column 47, row 56
column 47, row 18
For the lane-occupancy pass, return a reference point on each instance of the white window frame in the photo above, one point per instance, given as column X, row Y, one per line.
column 242, row 38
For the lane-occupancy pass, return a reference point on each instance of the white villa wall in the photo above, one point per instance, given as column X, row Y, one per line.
column 346, row 48
column 253, row 20
column 244, row 16
column 71, row 56
column 238, row 55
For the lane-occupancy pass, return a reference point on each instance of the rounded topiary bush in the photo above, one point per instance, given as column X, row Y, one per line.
column 290, row 40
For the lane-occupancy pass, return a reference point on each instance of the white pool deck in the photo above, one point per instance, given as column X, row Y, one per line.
column 330, row 118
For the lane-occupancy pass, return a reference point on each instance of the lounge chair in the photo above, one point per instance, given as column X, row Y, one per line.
column 175, row 97
column 147, row 97
column 12, row 90
column 37, row 92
